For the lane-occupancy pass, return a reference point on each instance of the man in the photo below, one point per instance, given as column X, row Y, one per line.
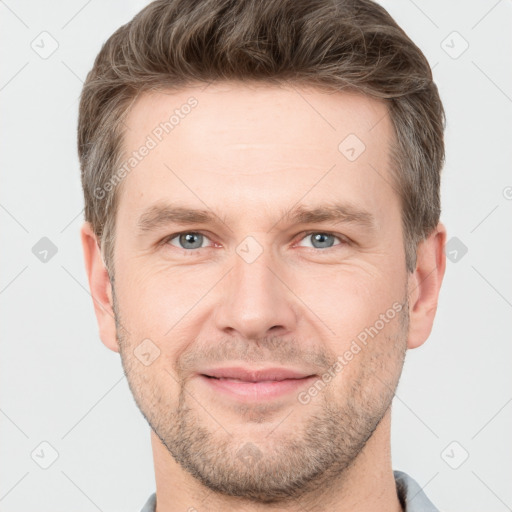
column 263, row 245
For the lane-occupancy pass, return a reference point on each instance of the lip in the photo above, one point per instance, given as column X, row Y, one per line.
column 245, row 384
column 255, row 374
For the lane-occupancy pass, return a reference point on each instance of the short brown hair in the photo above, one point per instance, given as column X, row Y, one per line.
column 336, row 44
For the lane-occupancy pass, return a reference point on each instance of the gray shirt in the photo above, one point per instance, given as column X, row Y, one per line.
column 411, row 496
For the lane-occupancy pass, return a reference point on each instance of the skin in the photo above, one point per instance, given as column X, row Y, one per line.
column 249, row 153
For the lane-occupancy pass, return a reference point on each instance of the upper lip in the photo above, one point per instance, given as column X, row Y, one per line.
column 255, row 375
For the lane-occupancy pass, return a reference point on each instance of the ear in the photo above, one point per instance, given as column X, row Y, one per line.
column 424, row 286
column 100, row 286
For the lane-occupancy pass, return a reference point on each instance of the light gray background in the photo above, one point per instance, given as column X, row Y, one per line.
column 59, row 384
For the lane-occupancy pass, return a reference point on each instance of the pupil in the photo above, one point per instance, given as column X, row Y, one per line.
column 189, row 239
column 321, row 238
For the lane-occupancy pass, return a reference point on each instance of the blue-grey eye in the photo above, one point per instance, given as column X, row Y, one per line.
column 321, row 240
column 189, row 240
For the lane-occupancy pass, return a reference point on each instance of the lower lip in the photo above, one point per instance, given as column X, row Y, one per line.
column 254, row 391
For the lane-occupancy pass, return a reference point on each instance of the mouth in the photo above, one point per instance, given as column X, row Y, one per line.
column 255, row 385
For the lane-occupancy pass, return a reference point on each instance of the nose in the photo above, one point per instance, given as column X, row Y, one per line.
column 255, row 300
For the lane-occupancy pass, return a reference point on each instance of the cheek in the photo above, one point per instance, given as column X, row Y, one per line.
column 152, row 301
column 155, row 391
column 369, row 361
column 156, row 307
column 363, row 308
column 349, row 299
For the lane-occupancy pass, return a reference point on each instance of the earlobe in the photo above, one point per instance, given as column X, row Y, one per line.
column 100, row 286
column 424, row 286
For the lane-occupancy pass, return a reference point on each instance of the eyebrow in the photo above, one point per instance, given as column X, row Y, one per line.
column 336, row 213
column 163, row 214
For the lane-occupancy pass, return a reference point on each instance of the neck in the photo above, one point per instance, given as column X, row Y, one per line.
column 367, row 485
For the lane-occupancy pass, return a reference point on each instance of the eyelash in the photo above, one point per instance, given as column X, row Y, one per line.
column 342, row 239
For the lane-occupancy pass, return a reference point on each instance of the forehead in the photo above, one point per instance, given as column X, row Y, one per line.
column 251, row 114
column 254, row 146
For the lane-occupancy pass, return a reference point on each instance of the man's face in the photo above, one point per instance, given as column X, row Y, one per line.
column 256, row 287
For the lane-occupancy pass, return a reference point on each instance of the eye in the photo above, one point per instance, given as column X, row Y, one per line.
column 187, row 240
column 321, row 240
column 190, row 240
